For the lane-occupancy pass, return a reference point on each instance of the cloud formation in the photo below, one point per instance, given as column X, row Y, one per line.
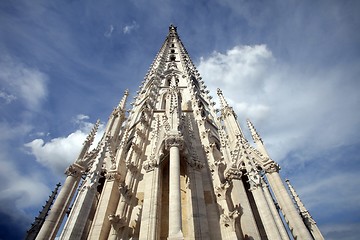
column 109, row 31
column 58, row 153
column 291, row 104
column 130, row 27
column 22, row 82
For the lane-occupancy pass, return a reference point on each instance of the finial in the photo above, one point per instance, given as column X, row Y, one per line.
column 90, row 138
column 172, row 28
column 223, row 102
column 296, row 198
column 256, row 137
column 123, row 100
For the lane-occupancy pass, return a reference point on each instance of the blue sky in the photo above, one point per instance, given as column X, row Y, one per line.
column 292, row 67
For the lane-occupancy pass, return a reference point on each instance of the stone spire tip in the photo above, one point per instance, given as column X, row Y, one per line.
column 256, row 137
column 223, row 102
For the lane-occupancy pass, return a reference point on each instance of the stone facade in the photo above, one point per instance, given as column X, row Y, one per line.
column 176, row 168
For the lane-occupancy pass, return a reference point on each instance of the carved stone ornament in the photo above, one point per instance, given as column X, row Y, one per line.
column 112, row 176
column 150, row 165
column 228, row 220
column 195, row 164
column 116, row 222
column 221, row 190
column 125, row 192
column 254, row 179
column 233, row 173
column 74, row 170
column 132, row 167
column 272, row 167
column 174, row 141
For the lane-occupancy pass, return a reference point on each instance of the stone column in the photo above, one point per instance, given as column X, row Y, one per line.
column 107, row 204
column 275, row 213
column 174, row 144
column 149, row 217
column 266, row 216
column 286, row 204
column 61, row 205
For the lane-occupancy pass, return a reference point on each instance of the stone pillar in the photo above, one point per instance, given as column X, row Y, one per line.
column 174, row 143
column 286, row 204
column 61, row 205
column 107, row 204
column 266, row 216
column 308, row 220
column 240, row 200
column 149, row 217
column 118, row 220
column 197, row 206
column 275, row 213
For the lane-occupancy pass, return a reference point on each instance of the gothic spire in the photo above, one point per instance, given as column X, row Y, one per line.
column 296, row 198
column 256, row 137
column 39, row 220
column 223, row 102
column 122, row 102
column 89, row 140
column 307, row 218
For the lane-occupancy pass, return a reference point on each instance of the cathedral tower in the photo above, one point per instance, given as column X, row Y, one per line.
column 176, row 168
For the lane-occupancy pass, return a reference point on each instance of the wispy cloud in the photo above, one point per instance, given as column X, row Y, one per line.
column 130, row 27
column 23, row 82
column 291, row 104
column 109, row 31
column 58, row 153
column 8, row 98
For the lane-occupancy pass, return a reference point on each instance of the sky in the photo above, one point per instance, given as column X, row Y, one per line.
column 291, row 67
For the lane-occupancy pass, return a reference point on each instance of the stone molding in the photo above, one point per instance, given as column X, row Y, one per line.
column 272, row 167
column 174, row 140
column 228, row 220
column 233, row 173
column 74, row 170
column 116, row 222
column 112, row 176
column 150, row 165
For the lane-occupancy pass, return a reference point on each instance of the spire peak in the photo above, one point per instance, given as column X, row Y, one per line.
column 123, row 100
column 256, row 137
column 172, row 28
column 223, row 102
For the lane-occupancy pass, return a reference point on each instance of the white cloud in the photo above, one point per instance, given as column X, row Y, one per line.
column 59, row 153
column 291, row 105
column 131, row 27
column 8, row 98
column 109, row 31
column 23, row 82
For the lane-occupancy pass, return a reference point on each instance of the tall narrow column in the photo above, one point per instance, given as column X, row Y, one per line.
column 62, row 202
column 174, row 144
column 286, row 204
column 276, row 216
column 308, row 220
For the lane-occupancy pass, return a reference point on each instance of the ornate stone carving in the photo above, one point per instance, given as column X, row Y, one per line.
column 125, row 191
column 174, row 141
column 112, row 176
column 116, row 222
column 228, row 220
column 232, row 173
column 254, row 179
column 150, row 164
column 74, row 170
column 272, row 167
column 195, row 164
column 132, row 167
column 221, row 190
